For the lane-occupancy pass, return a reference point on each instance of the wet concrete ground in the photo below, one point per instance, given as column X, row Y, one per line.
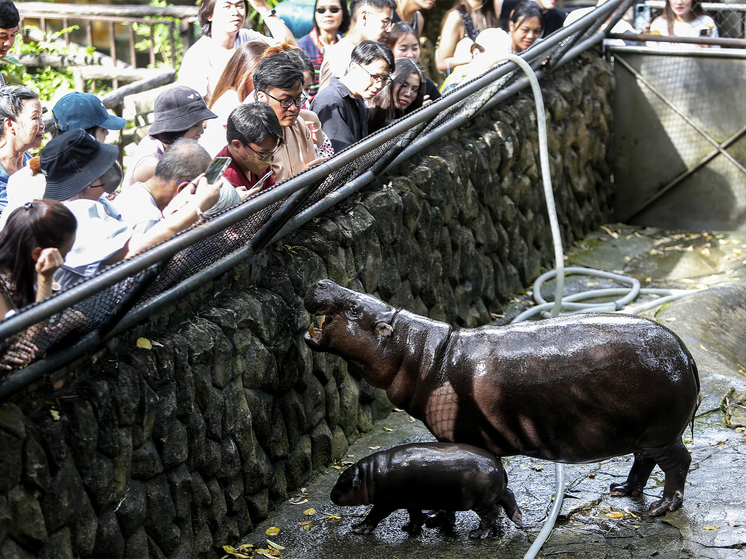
column 592, row 524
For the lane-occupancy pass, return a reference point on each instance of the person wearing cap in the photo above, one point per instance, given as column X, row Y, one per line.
column 79, row 171
column 21, row 129
column 74, row 110
column 179, row 112
column 142, row 205
column 9, row 21
column 86, row 111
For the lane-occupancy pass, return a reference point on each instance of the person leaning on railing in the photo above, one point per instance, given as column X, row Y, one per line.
column 222, row 23
column 79, row 171
column 341, row 106
column 33, row 247
column 278, row 82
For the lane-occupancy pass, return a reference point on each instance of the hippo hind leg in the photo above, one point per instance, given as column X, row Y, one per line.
column 507, row 501
column 637, row 478
column 416, row 520
column 376, row 514
column 674, row 460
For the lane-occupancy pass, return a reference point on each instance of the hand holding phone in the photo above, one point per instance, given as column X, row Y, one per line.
column 216, row 169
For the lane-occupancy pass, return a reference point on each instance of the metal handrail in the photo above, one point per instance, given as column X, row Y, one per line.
column 131, row 267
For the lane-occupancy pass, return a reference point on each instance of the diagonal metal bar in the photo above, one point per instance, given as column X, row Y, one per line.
column 679, row 112
column 689, row 172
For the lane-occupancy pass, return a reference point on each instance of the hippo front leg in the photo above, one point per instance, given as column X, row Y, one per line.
column 416, row 520
column 637, row 478
column 376, row 514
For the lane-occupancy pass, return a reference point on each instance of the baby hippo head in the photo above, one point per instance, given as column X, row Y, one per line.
column 352, row 488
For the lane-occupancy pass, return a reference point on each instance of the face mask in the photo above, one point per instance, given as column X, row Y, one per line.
column 256, row 165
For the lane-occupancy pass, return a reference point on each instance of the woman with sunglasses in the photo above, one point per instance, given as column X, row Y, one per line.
column 341, row 106
column 331, row 20
column 254, row 136
column 405, row 94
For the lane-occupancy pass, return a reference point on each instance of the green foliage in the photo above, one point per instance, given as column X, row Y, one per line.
column 255, row 19
column 161, row 41
column 44, row 80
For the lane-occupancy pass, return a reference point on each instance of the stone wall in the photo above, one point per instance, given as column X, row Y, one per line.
column 177, row 448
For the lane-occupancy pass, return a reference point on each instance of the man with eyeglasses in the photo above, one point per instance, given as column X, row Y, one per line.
column 371, row 20
column 341, row 106
column 278, row 82
column 254, row 137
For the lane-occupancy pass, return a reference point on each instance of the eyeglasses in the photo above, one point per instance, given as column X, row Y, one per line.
column 376, row 78
column 268, row 154
column 287, row 103
column 332, row 9
column 406, row 89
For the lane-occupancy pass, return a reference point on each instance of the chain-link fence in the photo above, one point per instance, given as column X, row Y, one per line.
column 46, row 335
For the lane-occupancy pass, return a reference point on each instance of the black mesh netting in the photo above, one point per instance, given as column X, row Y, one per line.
column 102, row 310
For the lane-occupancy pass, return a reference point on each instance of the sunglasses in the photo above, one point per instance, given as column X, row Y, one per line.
column 332, row 9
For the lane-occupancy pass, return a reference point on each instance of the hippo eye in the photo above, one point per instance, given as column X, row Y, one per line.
column 355, row 313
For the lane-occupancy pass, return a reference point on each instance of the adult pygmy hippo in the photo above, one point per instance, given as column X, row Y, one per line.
column 572, row 389
column 428, row 476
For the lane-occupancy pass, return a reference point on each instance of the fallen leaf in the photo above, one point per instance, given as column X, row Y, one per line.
column 333, row 516
column 629, row 512
column 717, row 527
column 309, row 512
column 55, row 415
column 304, row 523
column 615, row 514
column 374, row 447
column 273, row 531
column 307, row 526
column 386, row 428
column 273, row 545
column 297, row 500
column 537, row 468
column 144, row 343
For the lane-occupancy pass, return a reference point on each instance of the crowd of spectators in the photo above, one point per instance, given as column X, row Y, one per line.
column 272, row 106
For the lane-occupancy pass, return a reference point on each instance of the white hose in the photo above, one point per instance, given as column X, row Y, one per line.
column 569, row 303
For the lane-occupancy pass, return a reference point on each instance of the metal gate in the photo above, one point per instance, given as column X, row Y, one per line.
column 680, row 137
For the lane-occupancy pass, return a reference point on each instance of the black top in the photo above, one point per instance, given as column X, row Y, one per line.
column 553, row 19
column 431, row 89
column 344, row 119
column 417, row 21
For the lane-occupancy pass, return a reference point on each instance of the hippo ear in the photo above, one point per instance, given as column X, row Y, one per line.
column 384, row 330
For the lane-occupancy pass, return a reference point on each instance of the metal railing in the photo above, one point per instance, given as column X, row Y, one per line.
column 265, row 218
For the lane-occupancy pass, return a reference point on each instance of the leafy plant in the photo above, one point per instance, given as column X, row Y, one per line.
column 44, row 80
column 161, row 40
column 255, row 19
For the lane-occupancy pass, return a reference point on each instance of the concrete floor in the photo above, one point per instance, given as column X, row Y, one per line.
column 712, row 521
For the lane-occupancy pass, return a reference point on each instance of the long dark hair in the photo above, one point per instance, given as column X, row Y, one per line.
column 239, row 71
column 41, row 223
column 344, row 26
column 670, row 17
column 381, row 110
column 491, row 18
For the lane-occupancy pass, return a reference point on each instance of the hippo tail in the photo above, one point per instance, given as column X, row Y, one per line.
column 695, row 372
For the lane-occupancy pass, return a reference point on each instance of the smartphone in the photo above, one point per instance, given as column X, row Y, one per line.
column 216, row 169
column 642, row 17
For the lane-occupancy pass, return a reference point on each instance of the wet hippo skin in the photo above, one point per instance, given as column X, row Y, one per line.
column 572, row 389
column 428, row 476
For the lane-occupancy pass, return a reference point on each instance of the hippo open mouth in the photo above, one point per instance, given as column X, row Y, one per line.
column 316, row 329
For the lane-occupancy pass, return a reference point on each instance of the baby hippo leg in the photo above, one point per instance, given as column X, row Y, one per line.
column 376, row 514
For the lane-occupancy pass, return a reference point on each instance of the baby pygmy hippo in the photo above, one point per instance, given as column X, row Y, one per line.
column 429, row 476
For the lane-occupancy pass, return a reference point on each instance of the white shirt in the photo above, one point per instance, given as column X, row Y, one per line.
column 138, row 208
column 213, row 139
column 205, row 60
column 685, row 29
column 100, row 234
column 23, row 186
